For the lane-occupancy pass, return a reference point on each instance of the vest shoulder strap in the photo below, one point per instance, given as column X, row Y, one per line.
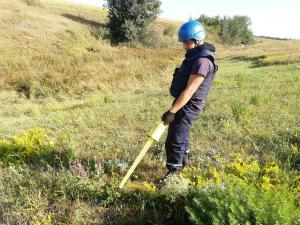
column 203, row 54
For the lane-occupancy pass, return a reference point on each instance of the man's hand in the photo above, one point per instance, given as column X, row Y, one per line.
column 168, row 117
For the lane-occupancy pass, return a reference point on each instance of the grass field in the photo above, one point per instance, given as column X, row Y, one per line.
column 76, row 111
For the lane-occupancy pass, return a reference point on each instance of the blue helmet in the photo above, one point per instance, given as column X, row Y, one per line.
column 191, row 30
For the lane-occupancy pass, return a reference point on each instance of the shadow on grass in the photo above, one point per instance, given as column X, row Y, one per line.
column 98, row 30
column 255, row 60
column 82, row 20
column 56, row 158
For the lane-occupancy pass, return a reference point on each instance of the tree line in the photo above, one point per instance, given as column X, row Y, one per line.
column 231, row 30
column 129, row 21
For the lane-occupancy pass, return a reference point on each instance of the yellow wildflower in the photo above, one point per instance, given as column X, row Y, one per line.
column 273, row 168
column 149, row 187
column 216, row 175
column 266, row 185
column 145, row 186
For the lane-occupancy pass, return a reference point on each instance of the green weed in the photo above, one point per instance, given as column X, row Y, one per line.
column 241, row 111
column 258, row 99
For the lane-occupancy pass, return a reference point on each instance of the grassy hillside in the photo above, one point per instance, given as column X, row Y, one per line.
column 76, row 110
column 58, row 51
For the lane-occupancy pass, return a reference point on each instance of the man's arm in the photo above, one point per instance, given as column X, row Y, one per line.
column 192, row 86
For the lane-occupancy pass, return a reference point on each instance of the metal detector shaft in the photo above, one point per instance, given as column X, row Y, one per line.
column 157, row 133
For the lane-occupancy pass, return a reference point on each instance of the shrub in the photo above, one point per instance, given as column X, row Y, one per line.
column 23, row 87
column 220, row 205
column 129, row 20
column 101, row 32
column 170, row 30
column 174, row 188
column 238, row 203
column 33, row 147
column 236, row 189
column 244, row 194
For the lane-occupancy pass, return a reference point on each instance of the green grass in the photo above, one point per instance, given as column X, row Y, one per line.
column 98, row 102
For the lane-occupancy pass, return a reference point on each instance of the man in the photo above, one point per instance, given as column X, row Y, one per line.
column 190, row 86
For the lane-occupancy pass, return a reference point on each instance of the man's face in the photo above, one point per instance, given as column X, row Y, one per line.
column 188, row 45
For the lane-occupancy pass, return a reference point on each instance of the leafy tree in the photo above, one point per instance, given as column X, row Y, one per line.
column 236, row 30
column 211, row 21
column 129, row 20
column 232, row 30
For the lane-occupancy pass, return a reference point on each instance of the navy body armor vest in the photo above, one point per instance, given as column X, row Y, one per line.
column 182, row 74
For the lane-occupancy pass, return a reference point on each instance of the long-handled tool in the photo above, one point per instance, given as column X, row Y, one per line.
column 157, row 133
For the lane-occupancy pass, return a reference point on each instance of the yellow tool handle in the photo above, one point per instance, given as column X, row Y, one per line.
column 137, row 161
column 152, row 137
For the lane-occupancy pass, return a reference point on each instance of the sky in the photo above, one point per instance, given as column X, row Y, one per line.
column 275, row 18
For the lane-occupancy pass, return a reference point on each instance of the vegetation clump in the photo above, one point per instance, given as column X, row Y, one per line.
column 129, row 20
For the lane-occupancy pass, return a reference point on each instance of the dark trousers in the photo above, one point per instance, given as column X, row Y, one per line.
column 177, row 142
